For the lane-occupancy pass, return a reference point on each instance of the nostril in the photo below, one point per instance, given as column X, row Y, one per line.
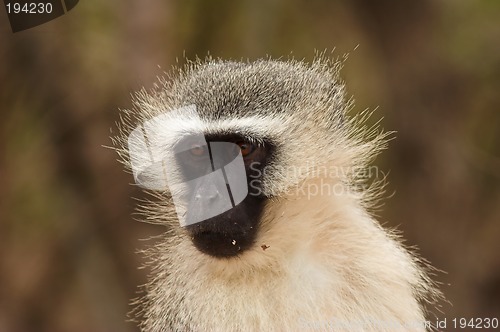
column 212, row 196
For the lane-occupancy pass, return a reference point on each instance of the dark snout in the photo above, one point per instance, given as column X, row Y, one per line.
column 229, row 233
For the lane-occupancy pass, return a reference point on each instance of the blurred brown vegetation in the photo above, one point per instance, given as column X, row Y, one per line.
column 67, row 232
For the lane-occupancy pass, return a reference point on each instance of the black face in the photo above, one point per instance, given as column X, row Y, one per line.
column 234, row 231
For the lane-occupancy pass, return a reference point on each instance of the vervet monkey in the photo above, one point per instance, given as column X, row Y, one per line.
column 257, row 170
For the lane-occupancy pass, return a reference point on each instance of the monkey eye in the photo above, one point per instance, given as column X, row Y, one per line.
column 246, row 148
column 198, row 150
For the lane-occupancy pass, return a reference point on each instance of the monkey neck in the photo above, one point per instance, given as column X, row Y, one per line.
column 322, row 263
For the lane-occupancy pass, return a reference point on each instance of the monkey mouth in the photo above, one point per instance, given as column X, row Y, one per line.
column 230, row 233
column 226, row 235
column 222, row 244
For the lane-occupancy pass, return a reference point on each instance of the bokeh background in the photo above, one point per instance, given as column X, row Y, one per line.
column 68, row 238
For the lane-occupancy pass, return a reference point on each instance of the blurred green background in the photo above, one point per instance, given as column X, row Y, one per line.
column 68, row 238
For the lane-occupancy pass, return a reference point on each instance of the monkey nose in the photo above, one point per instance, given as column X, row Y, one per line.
column 210, row 196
